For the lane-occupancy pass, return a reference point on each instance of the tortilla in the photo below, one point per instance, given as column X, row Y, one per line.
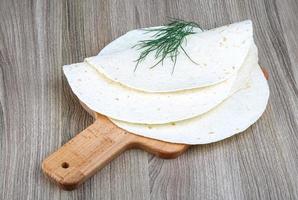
column 120, row 102
column 219, row 54
column 233, row 116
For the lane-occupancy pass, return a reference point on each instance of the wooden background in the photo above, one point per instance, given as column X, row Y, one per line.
column 38, row 112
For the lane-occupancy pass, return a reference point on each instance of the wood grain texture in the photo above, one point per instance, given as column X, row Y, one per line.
column 38, row 112
column 95, row 147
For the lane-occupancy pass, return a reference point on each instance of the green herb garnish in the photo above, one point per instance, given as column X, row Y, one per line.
column 166, row 42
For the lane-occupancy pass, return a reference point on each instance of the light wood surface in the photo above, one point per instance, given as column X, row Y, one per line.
column 38, row 112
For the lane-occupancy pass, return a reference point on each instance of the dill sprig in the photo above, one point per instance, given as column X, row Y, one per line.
column 166, row 42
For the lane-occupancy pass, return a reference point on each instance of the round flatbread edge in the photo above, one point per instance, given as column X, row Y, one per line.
column 233, row 116
column 218, row 54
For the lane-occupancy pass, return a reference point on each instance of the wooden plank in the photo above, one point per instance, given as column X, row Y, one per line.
column 38, row 112
column 30, row 52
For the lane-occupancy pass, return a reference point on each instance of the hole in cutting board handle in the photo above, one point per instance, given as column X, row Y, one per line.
column 65, row 165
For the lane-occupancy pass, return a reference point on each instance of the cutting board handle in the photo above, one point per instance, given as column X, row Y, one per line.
column 96, row 146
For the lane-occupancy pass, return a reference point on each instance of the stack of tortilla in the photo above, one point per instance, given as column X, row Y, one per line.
column 220, row 94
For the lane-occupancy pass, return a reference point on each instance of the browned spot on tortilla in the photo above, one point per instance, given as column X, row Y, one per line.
column 211, row 133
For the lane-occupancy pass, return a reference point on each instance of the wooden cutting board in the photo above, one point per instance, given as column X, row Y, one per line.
column 97, row 145
column 94, row 147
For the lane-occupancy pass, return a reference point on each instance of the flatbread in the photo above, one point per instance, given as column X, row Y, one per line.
column 120, row 102
column 219, row 52
column 232, row 116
